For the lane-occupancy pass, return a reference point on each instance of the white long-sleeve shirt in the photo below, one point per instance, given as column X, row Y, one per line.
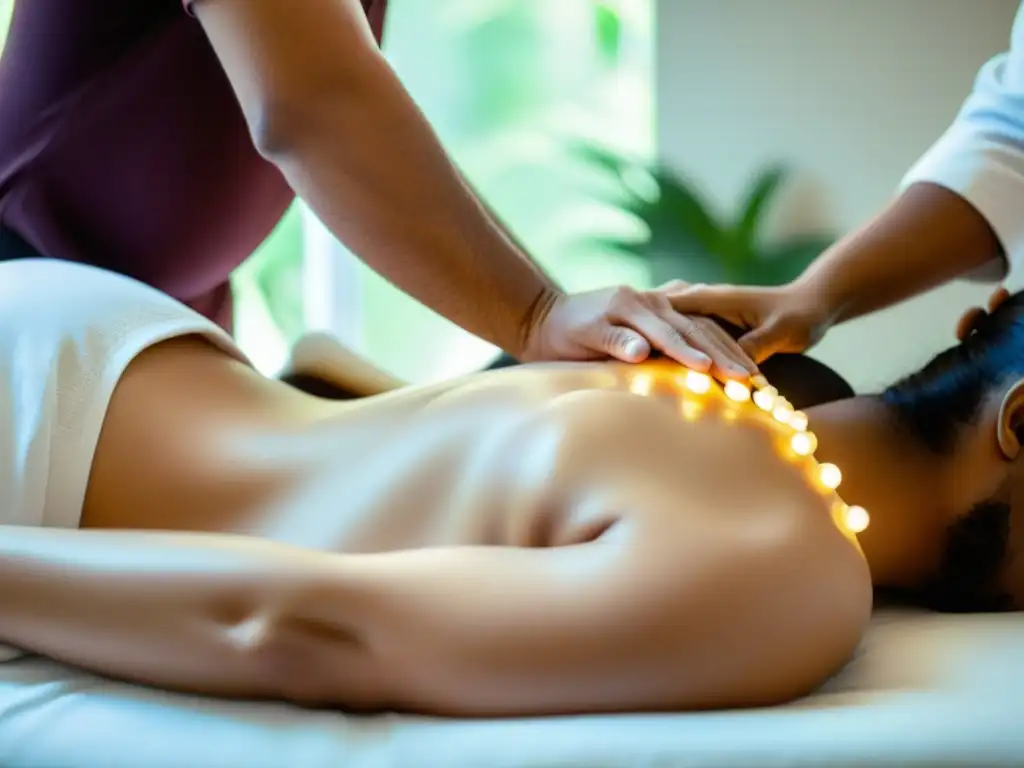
column 981, row 155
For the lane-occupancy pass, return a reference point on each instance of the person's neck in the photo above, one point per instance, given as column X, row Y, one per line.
column 897, row 481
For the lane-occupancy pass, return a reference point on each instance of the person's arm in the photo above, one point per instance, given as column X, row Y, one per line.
column 928, row 236
column 960, row 207
column 325, row 107
column 208, row 614
column 639, row 620
column 498, row 222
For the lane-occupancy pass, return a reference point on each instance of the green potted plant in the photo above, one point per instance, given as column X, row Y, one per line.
column 685, row 240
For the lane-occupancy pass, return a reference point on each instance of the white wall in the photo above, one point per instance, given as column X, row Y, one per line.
column 849, row 91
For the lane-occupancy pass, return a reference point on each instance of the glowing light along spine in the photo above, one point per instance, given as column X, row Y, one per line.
column 802, row 442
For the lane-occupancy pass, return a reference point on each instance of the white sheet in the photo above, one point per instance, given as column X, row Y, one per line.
column 924, row 690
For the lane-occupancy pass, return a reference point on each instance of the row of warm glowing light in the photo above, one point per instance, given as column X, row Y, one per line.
column 767, row 398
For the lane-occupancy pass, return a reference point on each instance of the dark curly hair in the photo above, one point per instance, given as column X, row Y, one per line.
column 946, row 395
column 933, row 407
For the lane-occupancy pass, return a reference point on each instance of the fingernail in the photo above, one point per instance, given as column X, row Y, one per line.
column 634, row 348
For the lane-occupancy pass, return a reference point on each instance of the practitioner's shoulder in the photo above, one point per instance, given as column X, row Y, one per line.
column 80, row 36
column 52, row 49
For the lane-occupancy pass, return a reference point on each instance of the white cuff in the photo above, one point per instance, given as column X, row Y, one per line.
column 989, row 174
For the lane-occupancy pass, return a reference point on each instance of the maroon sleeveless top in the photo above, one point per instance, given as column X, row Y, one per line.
column 122, row 145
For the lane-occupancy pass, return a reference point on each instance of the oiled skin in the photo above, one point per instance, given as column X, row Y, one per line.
column 771, row 596
column 515, row 458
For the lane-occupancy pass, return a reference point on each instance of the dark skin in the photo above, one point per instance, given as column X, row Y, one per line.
column 324, row 106
column 913, row 494
column 924, row 238
column 764, row 549
column 896, row 480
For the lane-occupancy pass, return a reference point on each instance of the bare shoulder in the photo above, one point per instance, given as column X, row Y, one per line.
column 721, row 528
column 774, row 598
column 658, row 443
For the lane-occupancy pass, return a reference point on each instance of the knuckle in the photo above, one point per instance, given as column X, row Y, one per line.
column 673, row 286
column 673, row 338
column 702, row 290
column 623, row 301
column 657, row 301
column 614, row 338
column 624, row 293
column 687, row 327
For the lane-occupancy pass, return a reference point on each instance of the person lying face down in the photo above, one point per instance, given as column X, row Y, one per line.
column 549, row 539
column 941, row 414
column 960, row 420
column 944, row 540
column 944, row 484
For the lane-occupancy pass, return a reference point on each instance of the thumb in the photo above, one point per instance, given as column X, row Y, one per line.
column 624, row 344
column 702, row 299
column 764, row 341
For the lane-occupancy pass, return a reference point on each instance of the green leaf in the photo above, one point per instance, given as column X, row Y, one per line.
column 602, row 158
column 687, row 242
column 680, row 203
column 677, row 215
column 695, row 266
column 755, row 205
column 630, row 247
column 691, row 266
column 608, row 30
column 781, row 263
column 612, row 168
column 767, row 273
column 799, row 249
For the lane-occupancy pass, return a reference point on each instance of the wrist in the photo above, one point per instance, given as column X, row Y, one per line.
column 530, row 337
column 822, row 296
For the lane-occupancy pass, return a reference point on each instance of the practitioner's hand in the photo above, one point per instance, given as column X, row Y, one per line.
column 782, row 319
column 970, row 318
column 629, row 325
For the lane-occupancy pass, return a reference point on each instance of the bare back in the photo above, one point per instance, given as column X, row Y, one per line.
column 537, row 456
column 681, row 539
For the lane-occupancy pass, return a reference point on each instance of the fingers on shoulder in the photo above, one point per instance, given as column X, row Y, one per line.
column 703, row 299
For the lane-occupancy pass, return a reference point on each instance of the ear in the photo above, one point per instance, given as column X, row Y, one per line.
column 1011, row 420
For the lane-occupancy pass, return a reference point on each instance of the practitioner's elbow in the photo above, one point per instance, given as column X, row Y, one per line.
column 286, row 120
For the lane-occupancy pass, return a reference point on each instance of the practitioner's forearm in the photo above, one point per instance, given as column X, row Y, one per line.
column 365, row 159
column 926, row 237
column 498, row 222
column 181, row 611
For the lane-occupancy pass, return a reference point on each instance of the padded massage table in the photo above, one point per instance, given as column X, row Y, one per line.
column 923, row 690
